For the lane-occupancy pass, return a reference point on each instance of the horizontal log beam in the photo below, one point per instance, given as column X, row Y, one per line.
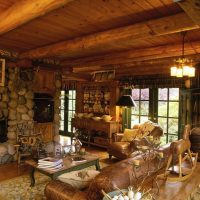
column 161, row 61
column 143, row 70
column 137, row 55
column 125, row 66
column 76, row 76
column 23, row 11
column 147, row 29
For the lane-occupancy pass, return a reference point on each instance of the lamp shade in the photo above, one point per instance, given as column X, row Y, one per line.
column 126, row 100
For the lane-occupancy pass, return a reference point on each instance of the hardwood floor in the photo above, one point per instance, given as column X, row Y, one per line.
column 12, row 170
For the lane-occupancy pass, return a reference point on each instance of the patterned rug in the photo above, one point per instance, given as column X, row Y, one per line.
column 19, row 188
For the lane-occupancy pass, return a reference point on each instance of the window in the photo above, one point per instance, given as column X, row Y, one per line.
column 67, row 110
column 159, row 105
column 141, row 112
column 168, row 112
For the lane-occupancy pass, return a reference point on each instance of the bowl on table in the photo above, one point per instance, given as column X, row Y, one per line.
column 80, row 115
column 106, row 118
column 88, row 115
column 96, row 118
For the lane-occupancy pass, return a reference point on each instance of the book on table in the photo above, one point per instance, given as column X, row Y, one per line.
column 59, row 166
column 49, row 162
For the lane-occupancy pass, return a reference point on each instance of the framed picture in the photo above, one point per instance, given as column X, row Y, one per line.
column 2, row 72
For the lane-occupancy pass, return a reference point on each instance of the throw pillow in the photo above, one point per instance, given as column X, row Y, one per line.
column 146, row 128
column 129, row 135
column 79, row 179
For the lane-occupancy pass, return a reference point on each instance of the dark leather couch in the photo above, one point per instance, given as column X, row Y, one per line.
column 119, row 174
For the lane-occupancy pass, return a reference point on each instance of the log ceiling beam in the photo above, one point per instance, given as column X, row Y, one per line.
column 138, row 55
column 192, row 9
column 76, row 76
column 123, row 67
column 147, row 29
column 23, row 11
column 143, row 70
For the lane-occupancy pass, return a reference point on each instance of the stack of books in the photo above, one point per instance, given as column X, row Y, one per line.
column 50, row 163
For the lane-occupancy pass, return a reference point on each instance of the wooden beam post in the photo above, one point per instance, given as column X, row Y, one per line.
column 23, row 11
column 147, row 29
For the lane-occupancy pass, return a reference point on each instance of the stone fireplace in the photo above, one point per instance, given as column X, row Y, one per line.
column 16, row 108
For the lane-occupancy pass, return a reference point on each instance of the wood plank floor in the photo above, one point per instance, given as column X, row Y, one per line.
column 12, row 170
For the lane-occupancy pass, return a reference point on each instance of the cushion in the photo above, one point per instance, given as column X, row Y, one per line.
column 129, row 135
column 79, row 179
column 146, row 128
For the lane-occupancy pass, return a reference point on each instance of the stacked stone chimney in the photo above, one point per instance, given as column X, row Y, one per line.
column 20, row 106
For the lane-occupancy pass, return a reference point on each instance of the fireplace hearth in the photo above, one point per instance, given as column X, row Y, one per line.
column 3, row 130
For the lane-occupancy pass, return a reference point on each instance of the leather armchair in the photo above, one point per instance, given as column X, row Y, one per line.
column 123, row 150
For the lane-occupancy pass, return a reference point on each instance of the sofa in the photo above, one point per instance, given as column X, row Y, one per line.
column 119, row 174
column 124, row 144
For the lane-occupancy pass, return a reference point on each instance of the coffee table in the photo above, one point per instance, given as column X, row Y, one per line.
column 68, row 166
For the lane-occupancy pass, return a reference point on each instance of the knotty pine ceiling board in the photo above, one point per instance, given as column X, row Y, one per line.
column 4, row 4
column 83, row 17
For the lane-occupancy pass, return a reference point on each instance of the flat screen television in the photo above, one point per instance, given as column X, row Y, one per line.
column 43, row 108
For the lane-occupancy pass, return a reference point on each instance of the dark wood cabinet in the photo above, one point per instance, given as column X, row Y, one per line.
column 98, row 98
column 99, row 133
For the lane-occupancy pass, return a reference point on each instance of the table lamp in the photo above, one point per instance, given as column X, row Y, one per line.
column 126, row 101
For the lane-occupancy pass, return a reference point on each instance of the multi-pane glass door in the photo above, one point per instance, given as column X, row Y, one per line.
column 168, row 112
column 159, row 105
column 67, row 110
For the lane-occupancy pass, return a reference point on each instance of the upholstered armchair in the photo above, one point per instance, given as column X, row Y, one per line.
column 124, row 144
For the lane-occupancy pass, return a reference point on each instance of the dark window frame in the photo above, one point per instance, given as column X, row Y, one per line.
column 139, row 105
column 153, row 109
column 66, row 119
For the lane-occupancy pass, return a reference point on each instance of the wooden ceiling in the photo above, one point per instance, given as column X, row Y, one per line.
column 133, row 37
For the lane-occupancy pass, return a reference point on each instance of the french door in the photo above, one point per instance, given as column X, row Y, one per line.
column 158, row 105
column 67, row 111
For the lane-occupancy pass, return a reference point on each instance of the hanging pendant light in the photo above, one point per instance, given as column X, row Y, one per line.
column 183, row 66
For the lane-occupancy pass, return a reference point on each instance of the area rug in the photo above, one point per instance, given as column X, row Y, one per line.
column 19, row 188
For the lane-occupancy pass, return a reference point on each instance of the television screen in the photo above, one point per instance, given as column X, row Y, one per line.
column 43, row 108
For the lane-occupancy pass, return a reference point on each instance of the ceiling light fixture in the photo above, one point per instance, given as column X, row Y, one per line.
column 183, row 66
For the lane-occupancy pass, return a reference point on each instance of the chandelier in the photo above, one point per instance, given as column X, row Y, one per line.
column 183, row 66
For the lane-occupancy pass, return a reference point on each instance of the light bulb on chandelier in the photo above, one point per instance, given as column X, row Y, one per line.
column 182, row 70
